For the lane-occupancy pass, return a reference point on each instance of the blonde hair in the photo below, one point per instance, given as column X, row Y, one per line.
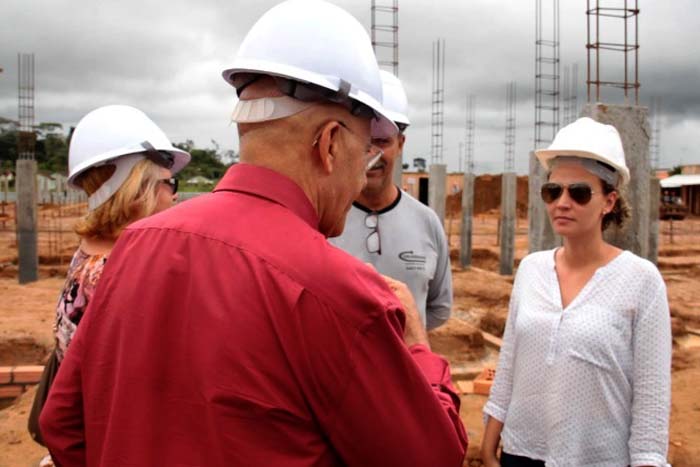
column 135, row 199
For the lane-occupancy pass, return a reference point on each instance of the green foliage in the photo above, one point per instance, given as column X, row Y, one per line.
column 209, row 163
column 50, row 150
column 51, row 153
column 676, row 170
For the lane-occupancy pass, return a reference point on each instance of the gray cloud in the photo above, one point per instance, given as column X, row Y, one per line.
column 166, row 58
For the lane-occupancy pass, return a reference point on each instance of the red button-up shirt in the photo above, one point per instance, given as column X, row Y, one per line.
column 227, row 331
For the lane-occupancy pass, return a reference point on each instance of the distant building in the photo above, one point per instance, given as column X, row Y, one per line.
column 692, row 169
column 686, row 185
column 661, row 173
column 199, row 180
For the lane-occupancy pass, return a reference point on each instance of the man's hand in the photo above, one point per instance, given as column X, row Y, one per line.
column 414, row 333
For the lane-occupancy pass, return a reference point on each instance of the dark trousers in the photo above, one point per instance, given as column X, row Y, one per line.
column 509, row 460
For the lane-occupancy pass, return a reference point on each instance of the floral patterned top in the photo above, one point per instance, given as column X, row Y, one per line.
column 83, row 274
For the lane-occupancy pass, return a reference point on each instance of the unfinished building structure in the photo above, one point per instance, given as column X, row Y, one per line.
column 465, row 250
column 26, row 173
column 385, row 41
column 508, row 187
column 438, row 170
column 547, row 100
column 630, row 119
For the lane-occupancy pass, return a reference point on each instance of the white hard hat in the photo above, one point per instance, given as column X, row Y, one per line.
column 394, row 98
column 587, row 139
column 315, row 43
column 108, row 134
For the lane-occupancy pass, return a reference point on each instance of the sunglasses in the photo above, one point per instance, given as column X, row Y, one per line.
column 172, row 182
column 581, row 192
column 161, row 158
column 373, row 242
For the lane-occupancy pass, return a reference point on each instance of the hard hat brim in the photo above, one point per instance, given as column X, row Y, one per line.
column 385, row 125
column 180, row 160
column 545, row 156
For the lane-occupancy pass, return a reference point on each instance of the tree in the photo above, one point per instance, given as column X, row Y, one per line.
column 205, row 162
column 676, row 170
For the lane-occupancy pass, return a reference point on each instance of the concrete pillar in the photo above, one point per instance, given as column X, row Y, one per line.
column 540, row 233
column 436, row 190
column 507, row 230
column 465, row 236
column 654, row 201
column 632, row 124
column 27, row 220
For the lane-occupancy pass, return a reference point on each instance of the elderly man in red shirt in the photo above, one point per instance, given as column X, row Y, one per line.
column 227, row 330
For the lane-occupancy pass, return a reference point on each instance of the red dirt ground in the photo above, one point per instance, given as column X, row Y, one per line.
column 481, row 300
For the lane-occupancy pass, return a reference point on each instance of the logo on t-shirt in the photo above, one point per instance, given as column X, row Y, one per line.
column 412, row 261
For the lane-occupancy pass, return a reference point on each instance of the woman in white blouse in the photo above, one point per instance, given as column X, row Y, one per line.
column 584, row 372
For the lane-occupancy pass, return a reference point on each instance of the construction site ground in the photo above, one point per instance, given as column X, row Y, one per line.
column 468, row 339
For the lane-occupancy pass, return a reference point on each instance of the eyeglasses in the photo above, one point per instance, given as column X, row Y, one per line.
column 372, row 151
column 580, row 192
column 373, row 242
column 172, row 182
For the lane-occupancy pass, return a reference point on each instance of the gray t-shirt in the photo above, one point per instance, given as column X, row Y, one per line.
column 413, row 251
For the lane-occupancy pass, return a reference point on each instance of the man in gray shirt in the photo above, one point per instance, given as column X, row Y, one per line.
column 397, row 234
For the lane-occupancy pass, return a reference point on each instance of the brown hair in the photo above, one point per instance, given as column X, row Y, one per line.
column 135, row 199
column 620, row 213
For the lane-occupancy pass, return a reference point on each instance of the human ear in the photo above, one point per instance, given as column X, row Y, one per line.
column 326, row 145
column 402, row 139
column 610, row 200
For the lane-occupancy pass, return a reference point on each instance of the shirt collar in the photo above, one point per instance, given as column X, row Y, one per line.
column 271, row 185
column 393, row 204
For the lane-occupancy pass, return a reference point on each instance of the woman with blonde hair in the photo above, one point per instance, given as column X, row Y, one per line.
column 126, row 166
column 584, row 372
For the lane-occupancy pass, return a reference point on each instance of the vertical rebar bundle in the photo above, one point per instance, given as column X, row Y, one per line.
column 569, row 94
column 385, row 34
column 627, row 46
column 546, row 76
column 509, row 165
column 573, row 94
column 26, row 138
column 566, row 96
column 437, row 121
column 654, row 144
column 469, row 133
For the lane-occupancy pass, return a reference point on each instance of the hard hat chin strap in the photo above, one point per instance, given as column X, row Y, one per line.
column 123, row 165
column 597, row 168
column 267, row 108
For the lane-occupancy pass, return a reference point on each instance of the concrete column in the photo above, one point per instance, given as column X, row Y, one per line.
column 507, row 231
column 654, row 201
column 27, row 220
column 465, row 236
column 436, row 190
column 632, row 124
column 540, row 233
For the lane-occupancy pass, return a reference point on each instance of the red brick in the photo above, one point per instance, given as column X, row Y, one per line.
column 10, row 391
column 28, row 374
column 5, row 374
column 465, row 387
column 483, row 382
column 482, row 387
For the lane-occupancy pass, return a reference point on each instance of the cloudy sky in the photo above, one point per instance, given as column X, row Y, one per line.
column 165, row 57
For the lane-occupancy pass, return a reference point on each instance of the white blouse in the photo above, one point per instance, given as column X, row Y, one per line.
column 590, row 384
